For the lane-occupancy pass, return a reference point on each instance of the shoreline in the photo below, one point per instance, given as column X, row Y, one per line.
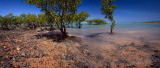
column 142, row 22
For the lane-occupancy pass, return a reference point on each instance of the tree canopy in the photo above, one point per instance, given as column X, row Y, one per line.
column 107, row 9
column 96, row 21
column 81, row 17
column 31, row 20
column 57, row 10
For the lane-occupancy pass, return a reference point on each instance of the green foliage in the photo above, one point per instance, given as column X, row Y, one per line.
column 22, row 16
column 31, row 20
column 41, row 19
column 57, row 10
column 0, row 16
column 16, row 20
column 96, row 21
column 107, row 9
column 0, row 19
column 70, row 18
column 81, row 17
column 6, row 21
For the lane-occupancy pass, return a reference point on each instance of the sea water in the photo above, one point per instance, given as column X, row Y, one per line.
column 149, row 31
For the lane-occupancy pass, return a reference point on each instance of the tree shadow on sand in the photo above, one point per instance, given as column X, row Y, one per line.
column 96, row 34
column 55, row 36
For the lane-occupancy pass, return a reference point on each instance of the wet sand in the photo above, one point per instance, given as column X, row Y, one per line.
column 30, row 48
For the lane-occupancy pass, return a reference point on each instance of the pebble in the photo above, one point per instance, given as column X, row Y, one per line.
column 7, row 50
column 23, row 54
column 8, row 65
column 18, row 48
column 17, row 59
column 24, row 65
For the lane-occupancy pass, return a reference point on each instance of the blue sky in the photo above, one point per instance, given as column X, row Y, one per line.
column 127, row 10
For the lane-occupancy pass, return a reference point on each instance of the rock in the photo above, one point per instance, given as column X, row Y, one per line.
column 55, row 57
column 45, row 54
column 4, row 46
column 81, row 64
column 7, row 59
column 7, row 53
column 17, row 59
column 122, row 61
column 18, row 48
column 23, row 54
column 87, row 52
column 99, row 57
column 156, row 51
column 118, row 65
column 107, row 64
column 0, row 58
column 27, row 55
column 29, row 62
column 51, row 50
column 33, row 61
column 41, row 55
column 37, row 56
column 24, row 65
column 8, row 65
column 35, row 47
column 11, row 54
column 7, row 50
column 40, row 62
column 131, row 66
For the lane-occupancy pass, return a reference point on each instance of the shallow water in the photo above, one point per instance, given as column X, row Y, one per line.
column 98, row 37
column 147, row 31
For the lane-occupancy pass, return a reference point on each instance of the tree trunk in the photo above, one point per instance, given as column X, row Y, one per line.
column 112, row 26
column 34, row 25
column 67, row 25
column 79, row 25
column 64, row 34
column 72, row 25
column 63, row 28
column 51, row 27
column 111, row 30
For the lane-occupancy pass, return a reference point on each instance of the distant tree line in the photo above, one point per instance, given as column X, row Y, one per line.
column 96, row 21
column 32, row 21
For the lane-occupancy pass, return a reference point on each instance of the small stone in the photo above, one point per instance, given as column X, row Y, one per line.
column 23, row 54
column 87, row 52
column 37, row 56
column 18, row 48
column 11, row 54
column 7, row 50
column 8, row 59
column 8, row 65
column 41, row 55
column 4, row 47
column 17, row 59
column 27, row 55
column 24, row 65
column 22, row 59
